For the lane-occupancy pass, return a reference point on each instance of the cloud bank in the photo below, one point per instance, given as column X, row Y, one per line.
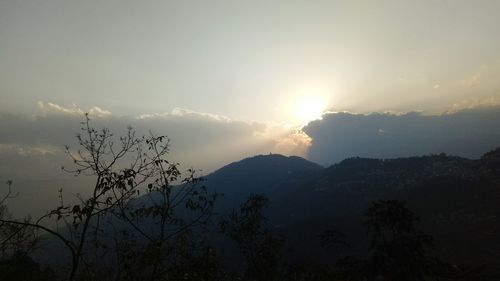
column 32, row 147
column 200, row 140
column 468, row 133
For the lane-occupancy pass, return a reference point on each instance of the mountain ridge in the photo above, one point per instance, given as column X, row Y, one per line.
column 266, row 174
column 454, row 197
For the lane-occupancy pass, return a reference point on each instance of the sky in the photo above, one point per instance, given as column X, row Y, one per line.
column 248, row 60
column 230, row 79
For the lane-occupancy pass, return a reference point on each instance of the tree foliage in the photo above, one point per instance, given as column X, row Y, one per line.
column 398, row 249
column 260, row 247
column 141, row 217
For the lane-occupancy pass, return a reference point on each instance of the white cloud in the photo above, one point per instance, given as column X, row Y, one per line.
column 27, row 150
column 472, row 103
column 99, row 112
column 185, row 113
column 49, row 108
column 472, row 81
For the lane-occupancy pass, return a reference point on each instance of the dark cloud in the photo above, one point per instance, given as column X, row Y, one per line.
column 467, row 133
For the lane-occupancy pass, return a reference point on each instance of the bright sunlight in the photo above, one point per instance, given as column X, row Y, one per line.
column 309, row 108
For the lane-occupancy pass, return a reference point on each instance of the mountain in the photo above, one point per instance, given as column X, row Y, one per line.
column 457, row 199
column 272, row 174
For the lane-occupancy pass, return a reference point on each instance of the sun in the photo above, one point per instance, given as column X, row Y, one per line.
column 309, row 108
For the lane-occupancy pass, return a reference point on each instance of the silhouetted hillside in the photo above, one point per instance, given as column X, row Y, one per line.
column 267, row 174
column 456, row 198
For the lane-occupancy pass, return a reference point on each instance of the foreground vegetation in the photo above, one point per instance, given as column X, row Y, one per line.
column 145, row 220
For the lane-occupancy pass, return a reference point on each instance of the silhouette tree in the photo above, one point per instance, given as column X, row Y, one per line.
column 16, row 240
column 16, row 243
column 398, row 248
column 261, row 249
column 156, row 228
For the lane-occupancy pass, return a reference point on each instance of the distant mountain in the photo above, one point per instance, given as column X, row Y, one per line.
column 272, row 174
column 457, row 199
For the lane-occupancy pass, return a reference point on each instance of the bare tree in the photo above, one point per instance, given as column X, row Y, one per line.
column 15, row 239
column 135, row 191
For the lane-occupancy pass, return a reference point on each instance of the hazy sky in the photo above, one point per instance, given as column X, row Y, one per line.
column 266, row 61
column 231, row 79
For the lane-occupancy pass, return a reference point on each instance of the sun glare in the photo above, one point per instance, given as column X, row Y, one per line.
column 309, row 108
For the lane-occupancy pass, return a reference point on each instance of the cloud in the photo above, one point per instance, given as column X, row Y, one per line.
column 31, row 162
column 297, row 142
column 475, row 103
column 55, row 109
column 186, row 113
column 472, row 81
column 32, row 147
column 201, row 140
column 468, row 133
column 28, row 150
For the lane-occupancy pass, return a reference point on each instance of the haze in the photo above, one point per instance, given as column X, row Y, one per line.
column 249, row 60
column 231, row 79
